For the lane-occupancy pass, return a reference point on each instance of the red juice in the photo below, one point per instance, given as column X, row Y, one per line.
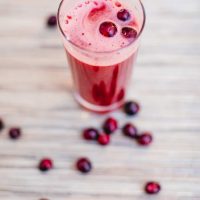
column 101, row 43
column 101, row 85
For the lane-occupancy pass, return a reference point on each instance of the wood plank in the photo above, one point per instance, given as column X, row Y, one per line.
column 35, row 93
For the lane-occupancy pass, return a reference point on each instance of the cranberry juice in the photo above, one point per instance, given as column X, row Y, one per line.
column 101, row 85
column 98, row 32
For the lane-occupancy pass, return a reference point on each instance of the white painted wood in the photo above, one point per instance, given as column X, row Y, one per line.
column 35, row 94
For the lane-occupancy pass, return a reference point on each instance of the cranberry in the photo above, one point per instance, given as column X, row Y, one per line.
column 129, row 32
column 104, row 139
column 145, row 139
column 130, row 130
column 90, row 134
column 52, row 21
column 84, row 165
column 131, row 108
column 45, row 164
column 123, row 15
column 108, row 29
column 1, row 124
column 14, row 133
column 152, row 188
column 110, row 125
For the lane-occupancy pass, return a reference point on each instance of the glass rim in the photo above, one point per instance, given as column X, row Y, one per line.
column 99, row 52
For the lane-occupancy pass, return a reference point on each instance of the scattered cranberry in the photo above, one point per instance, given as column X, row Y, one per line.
column 131, row 108
column 110, row 125
column 130, row 130
column 123, row 15
column 1, row 124
column 129, row 32
column 45, row 164
column 90, row 134
column 84, row 165
column 104, row 139
column 108, row 29
column 152, row 188
column 52, row 21
column 14, row 133
column 145, row 139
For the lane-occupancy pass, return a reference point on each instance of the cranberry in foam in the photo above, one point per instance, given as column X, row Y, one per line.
column 108, row 29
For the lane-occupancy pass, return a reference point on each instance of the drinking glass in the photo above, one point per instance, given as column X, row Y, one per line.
column 100, row 78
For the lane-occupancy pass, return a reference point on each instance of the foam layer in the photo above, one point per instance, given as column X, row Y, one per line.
column 81, row 25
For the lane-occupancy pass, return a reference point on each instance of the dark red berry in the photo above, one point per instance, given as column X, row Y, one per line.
column 45, row 164
column 84, row 165
column 90, row 134
column 145, row 139
column 52, row 21
column 14, row 133
column 108, row 29
column 123, row 15
column 129, row 32
column 104, row 139
column 131, row 108
column 110, row 125
column 130, row 130
column 1, row 124
column 152, row 188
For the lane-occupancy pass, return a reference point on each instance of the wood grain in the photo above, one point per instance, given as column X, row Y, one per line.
column 35, row 87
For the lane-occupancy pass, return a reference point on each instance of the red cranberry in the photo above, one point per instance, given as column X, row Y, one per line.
column 84, row 165
column 90, row 134
column 108, row 29
column 104, row 139
column 45, row 164
column 152, row 188
column 130, row 130
column 15, row 133
column 110, row 125
column 145, row 139
column 1, row 124
column 131, row 108
column 129, row 32
column 52, row 21
column 123, row 15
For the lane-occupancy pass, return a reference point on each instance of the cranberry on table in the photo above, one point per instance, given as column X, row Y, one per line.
column 84, row 165
column 1, row 124
column 123, row 15
column 145, row 139
column 110, row 125
column 129, row 33
column 90, row 134
column 131, row 108
column 52, row 21
column 152, row 188
column 45, row 164
column 104, row 139
column 130, row 130
column 14, row 133
column 108, row 29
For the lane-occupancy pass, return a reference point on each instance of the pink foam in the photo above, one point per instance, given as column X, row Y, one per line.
column 83, row 25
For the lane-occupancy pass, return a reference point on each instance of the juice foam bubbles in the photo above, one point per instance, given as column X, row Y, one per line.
column 83, row 22
column 80, row 24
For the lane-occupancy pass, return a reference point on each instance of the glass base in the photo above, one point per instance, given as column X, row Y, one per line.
column 95, row 108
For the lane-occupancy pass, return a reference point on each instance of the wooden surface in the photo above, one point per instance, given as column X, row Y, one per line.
column 35, row 95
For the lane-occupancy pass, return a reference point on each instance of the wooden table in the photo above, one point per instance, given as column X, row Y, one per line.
column 35, row 95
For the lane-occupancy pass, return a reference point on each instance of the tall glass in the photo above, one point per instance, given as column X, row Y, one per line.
column 100, row 77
